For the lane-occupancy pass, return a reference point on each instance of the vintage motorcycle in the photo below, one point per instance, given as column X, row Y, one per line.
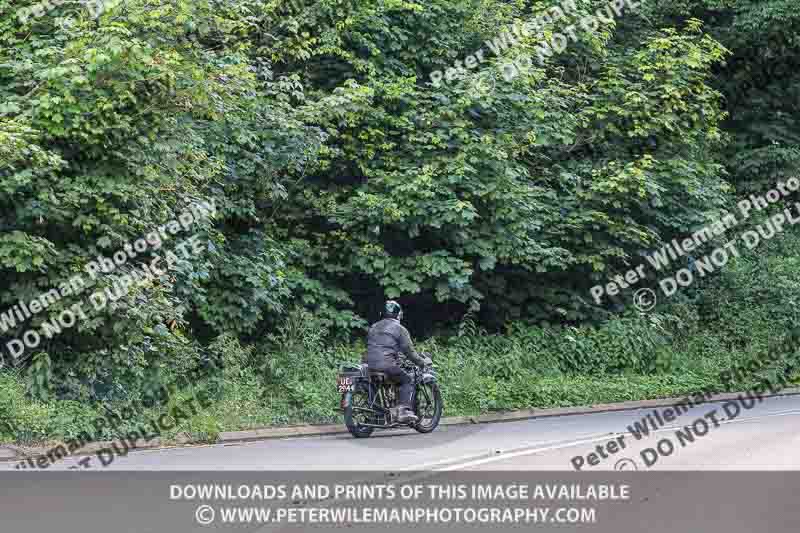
column 367, row 397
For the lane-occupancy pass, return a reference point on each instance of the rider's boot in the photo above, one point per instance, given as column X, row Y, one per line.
column 405, row 415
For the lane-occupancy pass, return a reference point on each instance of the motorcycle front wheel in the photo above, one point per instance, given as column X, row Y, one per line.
column 428, row 407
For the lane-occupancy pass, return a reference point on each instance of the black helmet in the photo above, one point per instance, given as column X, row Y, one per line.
column 392, row 309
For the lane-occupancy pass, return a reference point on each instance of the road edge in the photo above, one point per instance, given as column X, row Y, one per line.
column 310, row 430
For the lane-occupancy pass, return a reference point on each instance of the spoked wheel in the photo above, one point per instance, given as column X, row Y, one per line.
column 428, row 407
column 354, row 414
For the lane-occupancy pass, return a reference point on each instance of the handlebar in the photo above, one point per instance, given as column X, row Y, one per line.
column 407, row 363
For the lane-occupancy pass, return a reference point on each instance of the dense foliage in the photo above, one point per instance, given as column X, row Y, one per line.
column 342, row 176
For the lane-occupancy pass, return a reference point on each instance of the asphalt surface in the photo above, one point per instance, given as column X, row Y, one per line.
column 683, row 490
column 763, row 437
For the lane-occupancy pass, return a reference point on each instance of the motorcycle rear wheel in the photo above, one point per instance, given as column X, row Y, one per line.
column 354, row 419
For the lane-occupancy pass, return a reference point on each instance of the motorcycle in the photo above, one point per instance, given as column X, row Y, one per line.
column 368, row 399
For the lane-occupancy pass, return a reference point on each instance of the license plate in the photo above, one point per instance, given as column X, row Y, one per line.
column 344, row 384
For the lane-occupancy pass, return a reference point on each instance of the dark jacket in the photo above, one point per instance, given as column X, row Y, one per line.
column 385, row 341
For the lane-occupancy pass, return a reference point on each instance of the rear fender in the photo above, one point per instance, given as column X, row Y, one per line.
column 360, row 385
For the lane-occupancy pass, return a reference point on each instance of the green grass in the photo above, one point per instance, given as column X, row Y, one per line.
column 680, row 348
column 478, row 375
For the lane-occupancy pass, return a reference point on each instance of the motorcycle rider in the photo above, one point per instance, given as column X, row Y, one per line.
column 386, row 340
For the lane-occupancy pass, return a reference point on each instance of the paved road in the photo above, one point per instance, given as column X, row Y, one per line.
column 764, row 437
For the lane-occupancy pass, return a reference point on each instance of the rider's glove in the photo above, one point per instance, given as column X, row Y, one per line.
column 427, row 360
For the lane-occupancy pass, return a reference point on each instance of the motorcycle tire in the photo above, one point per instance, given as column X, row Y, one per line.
column 356, row 430
column 426, row 425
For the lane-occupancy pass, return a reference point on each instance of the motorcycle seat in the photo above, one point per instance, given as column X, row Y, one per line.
column 377, row 374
